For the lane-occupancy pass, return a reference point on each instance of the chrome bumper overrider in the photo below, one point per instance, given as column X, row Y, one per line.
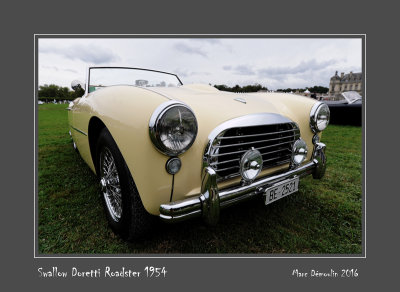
column 211, row 200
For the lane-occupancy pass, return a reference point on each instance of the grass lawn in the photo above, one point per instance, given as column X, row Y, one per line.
column 324, row 217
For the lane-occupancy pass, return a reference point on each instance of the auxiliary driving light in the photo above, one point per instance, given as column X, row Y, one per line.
column 251, row 164
column 299, row 152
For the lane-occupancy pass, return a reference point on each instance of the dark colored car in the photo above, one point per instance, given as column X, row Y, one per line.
column 347, row 111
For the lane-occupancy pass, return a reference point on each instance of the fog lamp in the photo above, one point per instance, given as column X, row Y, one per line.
column 251, row 164
column 299, row 152
column 173, row 165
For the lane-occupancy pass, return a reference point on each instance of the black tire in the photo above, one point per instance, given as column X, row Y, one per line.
column 129, row 219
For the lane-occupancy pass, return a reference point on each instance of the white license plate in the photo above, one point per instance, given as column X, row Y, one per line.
column 281, row 190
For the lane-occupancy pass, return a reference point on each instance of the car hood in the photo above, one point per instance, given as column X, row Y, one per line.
column 212, row 106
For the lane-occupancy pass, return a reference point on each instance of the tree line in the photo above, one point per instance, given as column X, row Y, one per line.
column 237, row 88
column 49, row 92
column 314, row 89
column 257, row 87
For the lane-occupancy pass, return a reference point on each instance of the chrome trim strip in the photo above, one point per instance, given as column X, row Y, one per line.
column 152, row 90
column 239, row 99
column 79, row 131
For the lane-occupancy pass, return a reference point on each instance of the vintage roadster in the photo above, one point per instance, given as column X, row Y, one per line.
column 161, row 148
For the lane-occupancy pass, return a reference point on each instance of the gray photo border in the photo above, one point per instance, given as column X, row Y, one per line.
column 36, row 255
column 377, row 20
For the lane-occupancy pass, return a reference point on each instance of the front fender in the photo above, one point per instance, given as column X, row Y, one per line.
column 126, row 111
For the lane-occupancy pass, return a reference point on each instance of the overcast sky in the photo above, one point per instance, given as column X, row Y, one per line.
column 274, row 63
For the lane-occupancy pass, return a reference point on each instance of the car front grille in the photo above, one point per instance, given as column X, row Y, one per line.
column 274, row 142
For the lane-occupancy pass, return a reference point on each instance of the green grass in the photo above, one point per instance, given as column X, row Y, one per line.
column 324, row 217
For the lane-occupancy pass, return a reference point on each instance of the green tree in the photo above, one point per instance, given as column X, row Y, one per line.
column 52, row 91
column 247, row 88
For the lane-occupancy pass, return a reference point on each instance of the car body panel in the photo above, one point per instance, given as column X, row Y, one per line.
column 126, row 111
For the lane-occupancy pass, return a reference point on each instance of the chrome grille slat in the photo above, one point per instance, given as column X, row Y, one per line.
column 237, row 166
column 274, row 141
column 255, row 135
column 269, row 146
column 230, row 153
column 274, row 164
column 227, row 161
column 258, row 148
column 270, row 159
column 238, row 159
column 266, row 153
column 264, row 166
column 254, row 142
column 228, row 168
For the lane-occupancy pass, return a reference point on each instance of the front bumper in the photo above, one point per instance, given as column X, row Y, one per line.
column 211, row 200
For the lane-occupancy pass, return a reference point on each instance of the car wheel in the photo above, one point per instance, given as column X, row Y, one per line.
column 124, row 209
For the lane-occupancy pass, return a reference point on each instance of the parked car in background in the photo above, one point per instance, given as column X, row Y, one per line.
column 348, row 110
column 173, row 151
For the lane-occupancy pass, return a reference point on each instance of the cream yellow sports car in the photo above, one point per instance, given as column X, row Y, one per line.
column 173, row 151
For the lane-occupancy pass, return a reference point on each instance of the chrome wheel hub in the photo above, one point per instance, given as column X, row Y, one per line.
column 110, row 186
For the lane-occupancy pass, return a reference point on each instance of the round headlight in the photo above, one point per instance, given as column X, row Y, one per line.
column 173, row 128
column 299, row 152
column 319, row 117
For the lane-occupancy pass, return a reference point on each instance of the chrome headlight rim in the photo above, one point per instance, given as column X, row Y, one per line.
column 314, row 114
column 154, row 130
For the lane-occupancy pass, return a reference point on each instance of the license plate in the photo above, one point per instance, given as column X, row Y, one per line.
column 281, row 190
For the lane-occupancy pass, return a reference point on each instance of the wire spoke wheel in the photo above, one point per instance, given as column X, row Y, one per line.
column 110, row 184
column 123, row 206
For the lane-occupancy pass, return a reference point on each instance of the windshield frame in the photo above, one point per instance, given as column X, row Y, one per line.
column 119, row 67
column 350, row 101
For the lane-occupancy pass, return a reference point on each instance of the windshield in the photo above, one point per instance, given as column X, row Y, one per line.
column 351, row 96
column 100, row 77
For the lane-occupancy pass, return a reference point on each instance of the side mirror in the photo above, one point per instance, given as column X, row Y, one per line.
column 77, row 85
